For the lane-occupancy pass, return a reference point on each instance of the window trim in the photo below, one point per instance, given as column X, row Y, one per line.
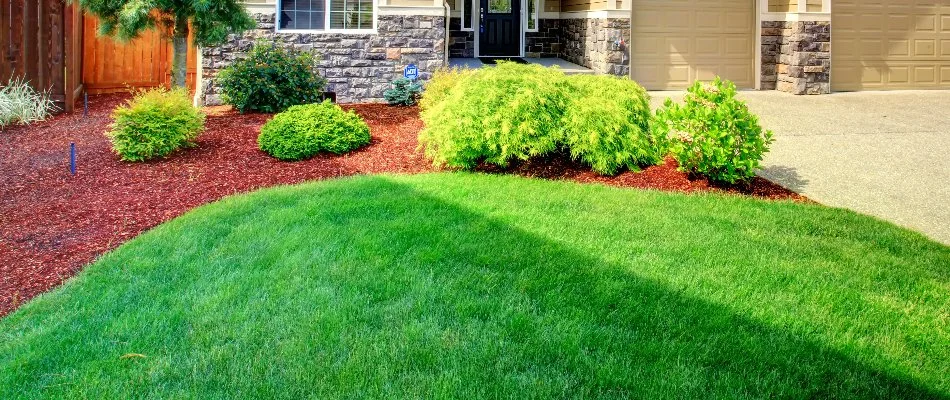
column 527, row 15
column 470, row 14
column 326, row 22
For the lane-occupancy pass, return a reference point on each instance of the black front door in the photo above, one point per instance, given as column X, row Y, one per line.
column 499, row 28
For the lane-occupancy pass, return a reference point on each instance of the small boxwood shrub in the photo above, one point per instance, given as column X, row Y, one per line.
column 714, row 134
column 305, row 130
column 403, row 93
column 607, row 124
column 155, row 123
column 271, row 79
column 494, row 115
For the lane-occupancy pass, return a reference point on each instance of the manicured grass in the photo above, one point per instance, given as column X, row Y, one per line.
column 474, row 286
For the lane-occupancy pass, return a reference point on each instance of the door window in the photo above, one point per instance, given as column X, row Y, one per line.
column 499, row 6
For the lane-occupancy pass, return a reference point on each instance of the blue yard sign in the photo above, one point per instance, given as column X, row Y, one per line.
column 411, row 72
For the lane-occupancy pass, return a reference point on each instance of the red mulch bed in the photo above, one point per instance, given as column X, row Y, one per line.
column 52, row 224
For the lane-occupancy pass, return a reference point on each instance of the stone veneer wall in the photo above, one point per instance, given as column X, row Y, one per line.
column 546, row 42
column 590, row 42
column 358, row 67
column 461, row 43
column 796, row 56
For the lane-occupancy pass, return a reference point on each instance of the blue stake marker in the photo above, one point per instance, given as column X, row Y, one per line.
column 85, row 105
column 72, row 158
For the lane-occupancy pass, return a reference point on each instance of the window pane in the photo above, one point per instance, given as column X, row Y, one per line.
column 286, row 19
column 366, row 20
column 336, row 20
column 302, row 14
column 351, row 14
column 366, row 5
column 499, row 6
column 317, row 20
column 532, row 14
column 467, row 20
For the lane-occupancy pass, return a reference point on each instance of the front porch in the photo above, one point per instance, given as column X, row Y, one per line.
column 566, row 66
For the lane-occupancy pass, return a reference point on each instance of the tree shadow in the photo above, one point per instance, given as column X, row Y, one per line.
column 785, row 176
column 492, row 310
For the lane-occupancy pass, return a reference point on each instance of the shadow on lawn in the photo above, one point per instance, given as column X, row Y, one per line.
column 524, row 313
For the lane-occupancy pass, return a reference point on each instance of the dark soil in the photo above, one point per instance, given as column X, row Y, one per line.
column 52, row 223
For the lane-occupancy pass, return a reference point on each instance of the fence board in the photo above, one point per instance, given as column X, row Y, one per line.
column 32, row 45
column 110, row 66
column 5, row 71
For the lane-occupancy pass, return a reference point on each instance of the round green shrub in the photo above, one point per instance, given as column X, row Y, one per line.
column 494, row 115
column 271, row 79
column 607, row 124
column 714, row 134
column 154, row 124
column 303, row 131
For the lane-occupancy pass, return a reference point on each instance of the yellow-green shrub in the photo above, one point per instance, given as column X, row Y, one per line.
column 437, row 88
column 511, row 111
column 517, row 111
column 154, row 124
column 607, row 124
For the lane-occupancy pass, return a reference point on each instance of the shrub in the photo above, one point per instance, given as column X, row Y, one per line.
column 443, row 80
column 494, row 115
column 154, row 124
column 403, row 93
column 21, row 104
column 270, row 80
column 303, row 131
column 713, row 133
column 607, row 124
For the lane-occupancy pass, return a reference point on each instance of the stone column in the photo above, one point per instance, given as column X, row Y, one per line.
column 805, row 63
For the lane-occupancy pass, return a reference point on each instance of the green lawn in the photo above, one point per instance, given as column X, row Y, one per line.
column 476, row 286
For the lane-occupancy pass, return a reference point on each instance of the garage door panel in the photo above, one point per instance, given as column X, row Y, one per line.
column 902, row 44
column 710, row 38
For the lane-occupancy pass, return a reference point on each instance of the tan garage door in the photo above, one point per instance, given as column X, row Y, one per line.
column 890, row 44
column 676, row 42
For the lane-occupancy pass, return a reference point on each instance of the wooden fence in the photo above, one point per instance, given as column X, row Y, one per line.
column 110, row 66
column 41, row 41
column 56, row 48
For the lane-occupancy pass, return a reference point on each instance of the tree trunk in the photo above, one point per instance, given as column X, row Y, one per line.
column 180, row 50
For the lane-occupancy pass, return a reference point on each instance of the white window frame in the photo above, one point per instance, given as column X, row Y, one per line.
column 326, row 22
column 527, row 15
column 470, row 14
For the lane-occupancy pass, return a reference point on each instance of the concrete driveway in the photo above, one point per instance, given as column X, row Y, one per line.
column 885, row 154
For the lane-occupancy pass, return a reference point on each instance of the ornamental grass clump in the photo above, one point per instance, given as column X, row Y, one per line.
column 607, row 124
column 496, row 115
column 21, row 104
column 713, row 133
column 154, row 124
column 304, row 131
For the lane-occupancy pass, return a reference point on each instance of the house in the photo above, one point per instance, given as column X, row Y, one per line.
column 781, row 45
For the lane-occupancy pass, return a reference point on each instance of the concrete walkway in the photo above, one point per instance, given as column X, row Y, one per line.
column 885, row 154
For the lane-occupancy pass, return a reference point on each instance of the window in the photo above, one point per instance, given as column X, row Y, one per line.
column 467, row 16
column 499, row 6
column 532, row 16
column 325, row 14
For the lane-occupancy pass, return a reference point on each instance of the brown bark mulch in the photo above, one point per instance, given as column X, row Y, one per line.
column 52, row 223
